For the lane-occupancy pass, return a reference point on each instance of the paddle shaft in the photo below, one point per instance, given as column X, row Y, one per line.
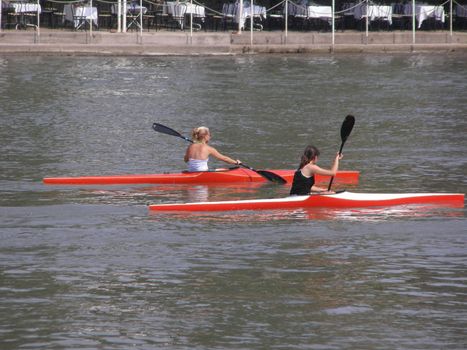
column 346, row 129
column 332, row 178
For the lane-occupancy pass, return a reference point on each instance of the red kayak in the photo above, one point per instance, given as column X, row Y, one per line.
column 203, row 177
column 338, row 200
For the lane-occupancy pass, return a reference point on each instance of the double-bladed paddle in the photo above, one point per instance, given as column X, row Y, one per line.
column 346, row 129
column 268, row 175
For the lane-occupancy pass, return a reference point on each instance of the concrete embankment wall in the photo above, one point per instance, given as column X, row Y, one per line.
column 208, row 43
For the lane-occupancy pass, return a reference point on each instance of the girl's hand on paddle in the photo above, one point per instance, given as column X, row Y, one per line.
column 339, row 156
column 328, row 192
column 322, row 192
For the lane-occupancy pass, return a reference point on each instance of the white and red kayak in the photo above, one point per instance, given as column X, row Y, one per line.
column 234, row 175
column 338, row 200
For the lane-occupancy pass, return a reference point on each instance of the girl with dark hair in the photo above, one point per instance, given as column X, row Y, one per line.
column 304, row 178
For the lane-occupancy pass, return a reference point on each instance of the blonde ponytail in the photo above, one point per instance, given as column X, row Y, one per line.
column 198, row 133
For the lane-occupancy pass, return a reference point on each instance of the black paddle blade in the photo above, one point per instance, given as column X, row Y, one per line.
column 347, row 127
column 168, row 131
column 165, row 130
column 271, row 176
column 268, row 175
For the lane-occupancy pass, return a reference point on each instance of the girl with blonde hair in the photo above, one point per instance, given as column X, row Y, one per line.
column 197, row 154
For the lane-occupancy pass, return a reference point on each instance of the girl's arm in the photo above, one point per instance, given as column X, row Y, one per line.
column 216, row 154
column 186, row 158
column 314, row 169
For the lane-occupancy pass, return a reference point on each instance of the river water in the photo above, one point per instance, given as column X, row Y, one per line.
column 91, row 268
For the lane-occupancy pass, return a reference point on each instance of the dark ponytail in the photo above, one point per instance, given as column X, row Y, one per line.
column 308, row 154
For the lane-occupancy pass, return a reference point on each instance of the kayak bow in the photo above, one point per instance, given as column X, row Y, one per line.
column 339, row 200
column 203, row 177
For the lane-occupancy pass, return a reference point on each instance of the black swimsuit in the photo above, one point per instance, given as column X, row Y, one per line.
column 301, row 185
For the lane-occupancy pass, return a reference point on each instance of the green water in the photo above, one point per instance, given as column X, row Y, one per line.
column 91, row 268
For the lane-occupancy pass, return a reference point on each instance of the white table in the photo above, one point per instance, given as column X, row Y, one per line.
column 258, row 11
column 196, row 10
column 319, row 12
column 374, row 12
column 423, row 12
column 233, row 11
column 314, row 11
column 22, row 8
column 80, row 15
column 130, row 8
column 178, row 10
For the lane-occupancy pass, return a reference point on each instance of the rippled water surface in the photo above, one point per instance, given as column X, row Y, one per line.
column 90, row 267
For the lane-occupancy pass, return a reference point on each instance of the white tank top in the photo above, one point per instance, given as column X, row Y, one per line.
column 198, row 164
